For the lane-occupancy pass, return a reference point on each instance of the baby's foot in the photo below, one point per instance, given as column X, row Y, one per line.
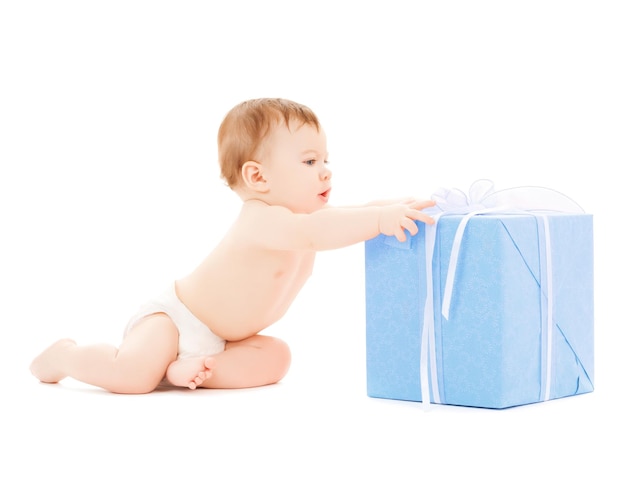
column 45, row 365
column 190, row 372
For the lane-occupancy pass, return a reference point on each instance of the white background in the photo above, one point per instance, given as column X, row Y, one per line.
column 109, row 190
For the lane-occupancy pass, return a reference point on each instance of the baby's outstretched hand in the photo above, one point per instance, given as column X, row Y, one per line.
column 395, row 218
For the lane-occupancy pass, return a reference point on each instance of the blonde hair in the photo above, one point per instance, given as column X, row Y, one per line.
column 247, row 125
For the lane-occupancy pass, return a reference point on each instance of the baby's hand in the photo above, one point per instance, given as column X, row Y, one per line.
column 395, row 218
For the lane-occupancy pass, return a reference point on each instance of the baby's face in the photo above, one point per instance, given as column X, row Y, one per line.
column 295, row 165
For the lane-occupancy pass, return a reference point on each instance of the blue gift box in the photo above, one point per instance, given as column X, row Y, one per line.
column 508, row 339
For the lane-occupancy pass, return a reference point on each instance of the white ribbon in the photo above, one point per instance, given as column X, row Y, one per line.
column 428, row 329
column 480, row 200
column 547, row 318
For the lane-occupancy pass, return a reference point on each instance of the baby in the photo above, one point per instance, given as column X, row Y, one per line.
column 204, row 330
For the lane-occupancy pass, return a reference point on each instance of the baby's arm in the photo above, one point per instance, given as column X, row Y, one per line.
column 386, row 202
column 403, row 200
column 330, row 228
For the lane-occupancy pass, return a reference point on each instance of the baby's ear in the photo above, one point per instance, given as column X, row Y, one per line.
column 252, row 176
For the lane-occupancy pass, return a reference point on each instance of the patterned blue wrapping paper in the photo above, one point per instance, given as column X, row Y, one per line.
column 491, row 351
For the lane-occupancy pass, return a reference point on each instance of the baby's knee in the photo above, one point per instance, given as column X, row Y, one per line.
column 283, row 352
column 280, row 356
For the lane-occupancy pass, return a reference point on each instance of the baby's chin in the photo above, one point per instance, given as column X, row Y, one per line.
column 307, row 208
column 317, row 208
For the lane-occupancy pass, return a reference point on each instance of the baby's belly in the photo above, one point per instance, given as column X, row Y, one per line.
column 238, row 297
column 238, row 315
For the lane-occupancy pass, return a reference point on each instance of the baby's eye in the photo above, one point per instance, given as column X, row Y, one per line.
column 310, row 162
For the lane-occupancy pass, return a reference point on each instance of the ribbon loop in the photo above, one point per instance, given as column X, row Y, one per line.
column 482, row 195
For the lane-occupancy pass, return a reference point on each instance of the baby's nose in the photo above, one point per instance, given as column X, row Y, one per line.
column 326, row 173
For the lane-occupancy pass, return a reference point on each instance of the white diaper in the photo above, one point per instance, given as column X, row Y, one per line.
column 194, row 337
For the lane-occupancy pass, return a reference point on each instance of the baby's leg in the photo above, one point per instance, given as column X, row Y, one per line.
column 255, row 361
column 190, row 372
column 138, row 366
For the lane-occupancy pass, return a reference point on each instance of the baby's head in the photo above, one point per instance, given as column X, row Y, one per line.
column 247, row 125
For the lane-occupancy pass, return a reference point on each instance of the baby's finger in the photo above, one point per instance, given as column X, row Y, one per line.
column 421, row 204
column 423, row 217
column 400, row 235
column 409, row 225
